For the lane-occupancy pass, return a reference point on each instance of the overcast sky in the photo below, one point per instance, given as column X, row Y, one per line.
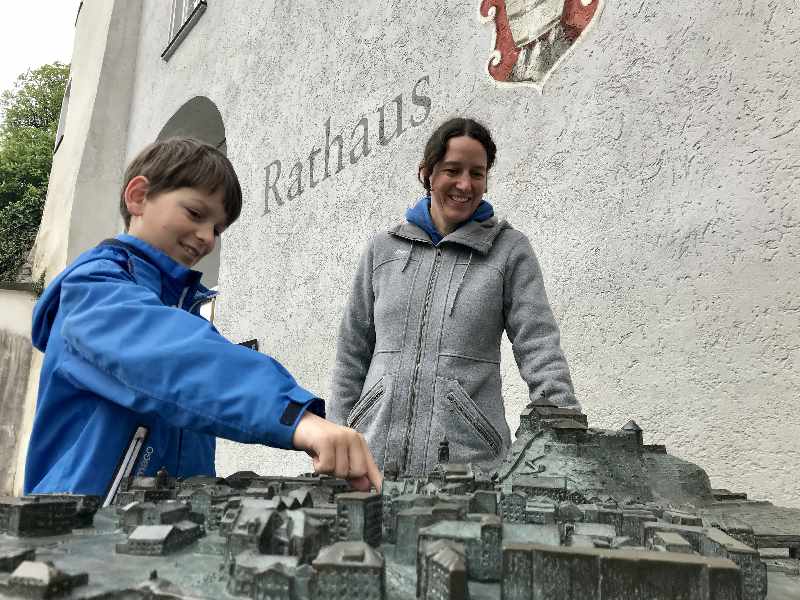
column 34, row 33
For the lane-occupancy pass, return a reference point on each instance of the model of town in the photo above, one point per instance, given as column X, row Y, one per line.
column 573, row 513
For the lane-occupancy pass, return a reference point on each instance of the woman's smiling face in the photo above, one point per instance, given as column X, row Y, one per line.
column 458, row 183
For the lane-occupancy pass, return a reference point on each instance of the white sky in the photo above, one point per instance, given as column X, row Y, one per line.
column 34, row 33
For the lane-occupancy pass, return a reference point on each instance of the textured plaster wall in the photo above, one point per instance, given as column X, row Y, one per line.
column 81, row 205
column 52, row 241
column 15, row 360
column 657, row 177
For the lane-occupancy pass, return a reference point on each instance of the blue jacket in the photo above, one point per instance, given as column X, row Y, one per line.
column 124, row 347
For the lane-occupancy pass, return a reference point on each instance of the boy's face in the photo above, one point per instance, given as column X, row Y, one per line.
column 182, row 223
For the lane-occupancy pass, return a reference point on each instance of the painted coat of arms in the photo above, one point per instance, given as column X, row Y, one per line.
column 532, row 37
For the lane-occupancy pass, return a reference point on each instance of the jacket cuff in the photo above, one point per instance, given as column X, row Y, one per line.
column 300, row 401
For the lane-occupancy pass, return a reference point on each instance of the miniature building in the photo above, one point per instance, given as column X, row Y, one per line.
column 482, row 541
column 412, row 520
column 86, row 507
column 682, row 518
column 156, row 540
column 633, row 427
column 324, row 514
column 393, row 505
column 198, row 481
column 277, row 582
column 513, row 507
column 303, row 495
column 33, row 579
column 229, row 514
column 262, row 575
column 444, row 452
column 350, row 570
column 541, row 413
column 538, row 510
column 288, row 502
column 215, row 514
column 712, row 542
column 555, row 488
column 456, row 478
column 302, row 535
column 485, row 501
column 259, row 490
column 155, row 586
column 536, row 571
column 203, row 498
column 147, row 489
column 148, row 513
column 669, row 541
column 359, row 517
column 254, row 528
column 633, row 521
column 12, row 558
column 593, row 535
column 39, row 515
column 240, row 480
column 442, row 572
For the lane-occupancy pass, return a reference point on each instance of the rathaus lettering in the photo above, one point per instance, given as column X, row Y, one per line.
column 333, row 157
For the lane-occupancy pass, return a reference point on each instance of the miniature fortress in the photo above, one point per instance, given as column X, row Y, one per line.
column 572, row 513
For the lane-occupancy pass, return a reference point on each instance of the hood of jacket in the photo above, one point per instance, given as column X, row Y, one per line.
column 475, row 235
column 420, row 215
column 174, row 280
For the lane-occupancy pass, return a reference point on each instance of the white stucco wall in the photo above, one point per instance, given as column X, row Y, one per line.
column 15, row 317
column 16, row 356
column 657, row 177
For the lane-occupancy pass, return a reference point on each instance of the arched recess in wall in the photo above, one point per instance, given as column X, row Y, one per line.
column 200, row 118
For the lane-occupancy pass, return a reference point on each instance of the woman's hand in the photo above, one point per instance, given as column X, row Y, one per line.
column 337, row 451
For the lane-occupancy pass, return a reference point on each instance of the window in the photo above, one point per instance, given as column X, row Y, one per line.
column 185, row 13
column 62, row 118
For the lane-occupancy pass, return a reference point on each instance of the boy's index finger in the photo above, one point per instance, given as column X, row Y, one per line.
column 375, row 477
column 373, row 473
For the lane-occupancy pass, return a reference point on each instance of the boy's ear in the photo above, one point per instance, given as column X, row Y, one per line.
column 136, row 195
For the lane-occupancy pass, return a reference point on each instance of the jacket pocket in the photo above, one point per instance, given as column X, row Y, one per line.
column 367, row 402
column 462, row 405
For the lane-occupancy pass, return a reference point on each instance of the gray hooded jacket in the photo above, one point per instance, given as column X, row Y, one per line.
column 418, row 354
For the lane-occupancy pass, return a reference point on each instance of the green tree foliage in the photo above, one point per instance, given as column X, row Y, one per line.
column 30, row 118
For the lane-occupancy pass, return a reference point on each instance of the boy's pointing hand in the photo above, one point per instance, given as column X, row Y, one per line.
column 338, row 451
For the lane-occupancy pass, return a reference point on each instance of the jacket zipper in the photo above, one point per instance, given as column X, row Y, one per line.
column 422, row 326
column 481, row 428
column 200, row 300
column 360, row 411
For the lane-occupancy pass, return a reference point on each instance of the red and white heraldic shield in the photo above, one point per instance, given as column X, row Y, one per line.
column 532, row 37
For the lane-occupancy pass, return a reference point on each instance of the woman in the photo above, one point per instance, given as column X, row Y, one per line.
column 418, row 355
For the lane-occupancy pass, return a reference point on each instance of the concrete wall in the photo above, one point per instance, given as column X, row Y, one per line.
column 83, row 193
column 15, row 360
column 656, row 176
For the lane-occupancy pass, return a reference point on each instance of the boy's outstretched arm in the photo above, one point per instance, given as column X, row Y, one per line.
column 337, row 450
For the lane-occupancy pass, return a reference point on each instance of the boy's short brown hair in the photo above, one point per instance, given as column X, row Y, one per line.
column 185, row 162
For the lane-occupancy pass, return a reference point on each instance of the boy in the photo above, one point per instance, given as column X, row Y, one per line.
column 124, row 347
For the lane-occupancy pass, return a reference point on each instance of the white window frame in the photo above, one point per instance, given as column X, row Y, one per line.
column 183, row 17
column 62, row 117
